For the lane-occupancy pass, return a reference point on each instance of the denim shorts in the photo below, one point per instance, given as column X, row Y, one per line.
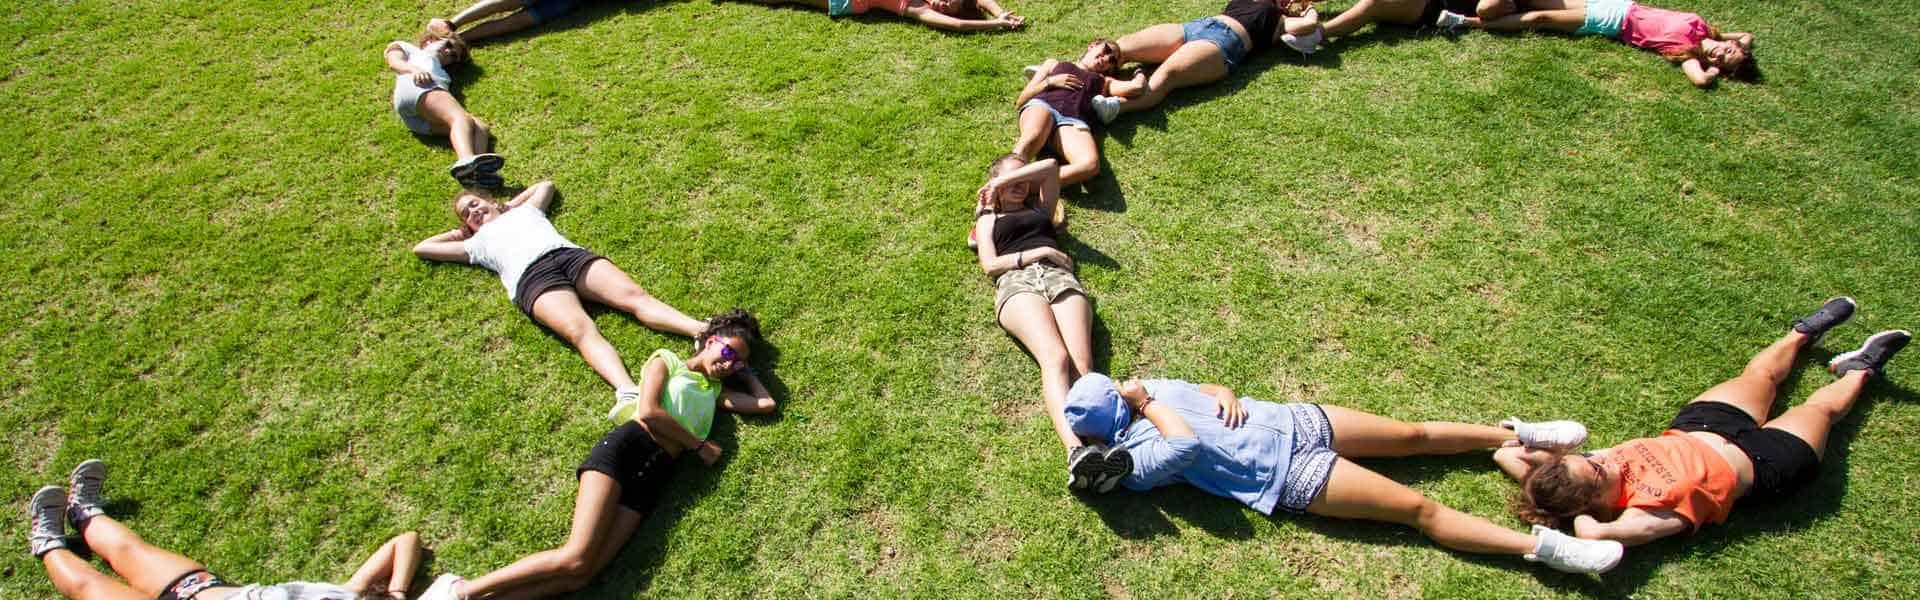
column 1605, row 17
column 1210, row 29
column 1059, row 120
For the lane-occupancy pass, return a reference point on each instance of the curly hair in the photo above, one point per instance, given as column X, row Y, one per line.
column 736, row 323
column 1551, row 495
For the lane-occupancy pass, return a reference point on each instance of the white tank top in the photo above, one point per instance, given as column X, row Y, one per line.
column 512, row 241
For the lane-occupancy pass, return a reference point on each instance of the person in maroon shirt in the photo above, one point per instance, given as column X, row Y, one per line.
column 1057, row 103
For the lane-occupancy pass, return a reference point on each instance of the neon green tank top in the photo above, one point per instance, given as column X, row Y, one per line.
column 690, row 397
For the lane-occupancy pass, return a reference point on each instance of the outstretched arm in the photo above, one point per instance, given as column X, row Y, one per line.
column 939, row 20
column 450, row 246
column 1633, row 528
column 1516, row 460
column 391, row 566
column 754, row 400
column 1128, row 88
column 538, row 195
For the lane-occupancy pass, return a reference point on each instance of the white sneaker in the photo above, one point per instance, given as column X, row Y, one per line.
column 442, row 588
column 47, row 521
column 1574, row 555
column 1304, row 44
column 1027, row 72
column 625, row 403
column 1550, row 435
column 1450, row 20
column 85, row 496
column 1106, row 107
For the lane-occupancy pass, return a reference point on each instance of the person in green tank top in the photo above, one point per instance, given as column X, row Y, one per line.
column 626, row 473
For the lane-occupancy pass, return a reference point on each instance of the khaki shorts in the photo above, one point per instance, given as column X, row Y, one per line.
column 1043, row 278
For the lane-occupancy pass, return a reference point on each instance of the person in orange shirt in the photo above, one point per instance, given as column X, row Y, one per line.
column 1719, row 450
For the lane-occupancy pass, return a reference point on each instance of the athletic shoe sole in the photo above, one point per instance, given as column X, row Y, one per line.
column 1883, row 337
column 1115, row 465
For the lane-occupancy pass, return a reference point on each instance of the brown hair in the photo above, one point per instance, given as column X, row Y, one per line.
column 1000, row 164
column 436, row 32
column 1551, row 495
column 455, row 202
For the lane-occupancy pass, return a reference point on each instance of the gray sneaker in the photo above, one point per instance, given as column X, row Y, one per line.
column 1106, row 108
column 85, row 496
column 1873, row 355
column 1831, row 314
column 1116, row 464
column 1450, row 21
column 46, row 521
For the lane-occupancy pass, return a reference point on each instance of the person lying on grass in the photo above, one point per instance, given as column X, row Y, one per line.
column 1204, row 49
column 1702, row 51
column 627, row 472
column 423, row 98
column 1720, row 451
column 1057, row 100
column 1295, row 457
column 1406, row 13
column 151, row 572
column 951, row 15
column 550, row 279
column 1039, row 301
column 513, row 15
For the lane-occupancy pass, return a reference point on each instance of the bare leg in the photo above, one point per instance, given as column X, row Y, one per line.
column 560, row 310
column 1494, row 9
column 600, row 527
column 1353, row 492
column 482, row 135
column 483, row 9
column 605, row 283
column 1813, row 420
column 1360, row 434
column 1151, row 45
column 445, row 113
column 76, row 579
column 1193, row 64
column 146, row 568
column 1753, row 390
column 499, row 27
column 1569, row 21
column 1082, row 154
column 1035, row 125
column 1030, row 319
column 1073, row 313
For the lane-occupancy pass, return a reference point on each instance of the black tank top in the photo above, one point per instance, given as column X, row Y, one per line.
column 1260, row 17
column 1074, row 103
column 1023, row 230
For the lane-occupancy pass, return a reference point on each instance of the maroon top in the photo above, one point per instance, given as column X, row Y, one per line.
column 1074, row 103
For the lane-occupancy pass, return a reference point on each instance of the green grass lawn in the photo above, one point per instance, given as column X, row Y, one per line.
column 208, row 208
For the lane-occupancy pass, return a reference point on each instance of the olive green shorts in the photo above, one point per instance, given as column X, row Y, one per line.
column 1043, row 278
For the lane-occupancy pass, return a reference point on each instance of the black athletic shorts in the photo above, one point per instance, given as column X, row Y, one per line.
column 629, row 455
column 190, row 584
column 561, row 267
column 1432, row 13
column 1782, row 462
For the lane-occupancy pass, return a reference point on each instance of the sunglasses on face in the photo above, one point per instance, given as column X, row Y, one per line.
column 727, row 354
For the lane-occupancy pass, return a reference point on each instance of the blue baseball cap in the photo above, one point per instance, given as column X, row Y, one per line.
column 1094, row 408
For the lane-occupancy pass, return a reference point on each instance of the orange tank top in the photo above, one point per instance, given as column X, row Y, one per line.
column 1676, row 472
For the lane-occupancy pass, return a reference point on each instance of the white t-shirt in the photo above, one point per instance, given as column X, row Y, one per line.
column 512, row 241
column 426, row 59
column 297, row 590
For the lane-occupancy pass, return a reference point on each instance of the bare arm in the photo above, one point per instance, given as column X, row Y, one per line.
column 1037, row 84
column 1163, row 417
column 755, row 400
column 450, row 246
column 1633, row 528
column 1698, row 73
column 1516, row 461
column 939, row 20
column 397, row 60
column 1127, row 88
column 991, row 8
column 990, row 261
column 1744, row 39
column 1044, row 175
column 394, row 562
column 538, row 195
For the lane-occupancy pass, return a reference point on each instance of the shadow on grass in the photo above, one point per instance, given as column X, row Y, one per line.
column 586, row 14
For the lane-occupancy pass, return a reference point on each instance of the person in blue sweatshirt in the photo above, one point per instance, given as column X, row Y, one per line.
column 1295, row 457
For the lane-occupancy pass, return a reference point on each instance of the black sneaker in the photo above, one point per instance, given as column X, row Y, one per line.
column 1830, row 315
column 1083, row 465
column 1873, row 355
column 1116, row 464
